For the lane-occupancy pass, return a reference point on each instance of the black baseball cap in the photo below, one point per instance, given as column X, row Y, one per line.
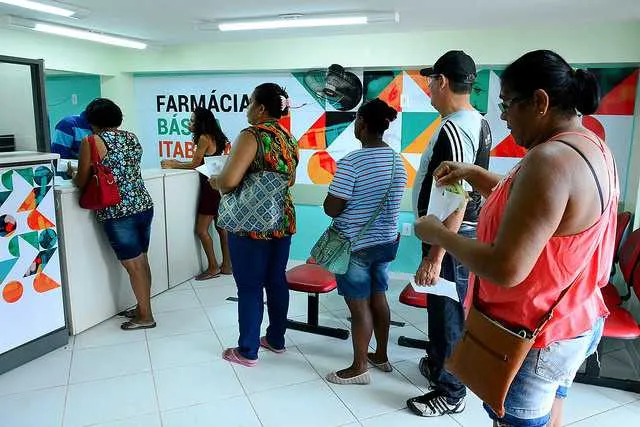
column 455, row 65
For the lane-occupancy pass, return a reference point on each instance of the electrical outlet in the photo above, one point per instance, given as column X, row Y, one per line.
column 407, row 229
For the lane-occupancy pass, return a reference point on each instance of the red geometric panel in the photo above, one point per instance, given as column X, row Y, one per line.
column 508, row 148
column 621, row 100
column 315, row 138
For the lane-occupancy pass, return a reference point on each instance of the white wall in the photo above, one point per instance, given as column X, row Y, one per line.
column 17, row 117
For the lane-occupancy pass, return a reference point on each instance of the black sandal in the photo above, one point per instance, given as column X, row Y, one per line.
column 130, row 313
column 134, row 325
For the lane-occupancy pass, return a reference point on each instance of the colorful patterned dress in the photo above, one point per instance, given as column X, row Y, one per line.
column 277, row 152
column 124, row 154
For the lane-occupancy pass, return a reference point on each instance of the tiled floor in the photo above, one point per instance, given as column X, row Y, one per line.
column 173, row 376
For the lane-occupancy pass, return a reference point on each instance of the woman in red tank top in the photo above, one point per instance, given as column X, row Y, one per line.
column 547, row 229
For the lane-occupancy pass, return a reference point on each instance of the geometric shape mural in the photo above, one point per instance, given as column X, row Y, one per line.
column 43, row 283
column 12, row 292
column 321, row 168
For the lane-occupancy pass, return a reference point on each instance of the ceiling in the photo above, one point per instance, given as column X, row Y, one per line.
column 166, row 22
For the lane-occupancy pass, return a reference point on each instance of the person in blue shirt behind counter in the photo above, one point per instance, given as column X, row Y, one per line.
column 68, row 135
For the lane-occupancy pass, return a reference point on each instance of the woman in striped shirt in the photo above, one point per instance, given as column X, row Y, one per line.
column 368, row 186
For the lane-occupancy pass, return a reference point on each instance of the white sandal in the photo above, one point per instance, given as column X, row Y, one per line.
column 362, row 379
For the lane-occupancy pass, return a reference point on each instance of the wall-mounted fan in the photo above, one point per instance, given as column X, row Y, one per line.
column 337, row 86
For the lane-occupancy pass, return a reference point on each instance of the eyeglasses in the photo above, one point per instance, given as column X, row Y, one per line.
column 505, row 105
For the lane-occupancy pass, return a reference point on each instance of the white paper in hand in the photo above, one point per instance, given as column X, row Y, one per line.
column 212, row 165
column 442, row 287
column 63, row 165
column 443, row 202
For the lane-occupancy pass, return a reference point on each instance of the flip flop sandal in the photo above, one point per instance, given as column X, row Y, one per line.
column 384, row 366
column 129, row 314
column 132, row 326
column 206, row 276
column 265, row 344
column 233, row 355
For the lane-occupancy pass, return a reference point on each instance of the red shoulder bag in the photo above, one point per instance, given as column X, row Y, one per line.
column 102, row 190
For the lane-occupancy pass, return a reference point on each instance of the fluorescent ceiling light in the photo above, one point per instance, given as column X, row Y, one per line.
column 40, row 7
column 295, row 22
column 88, row 35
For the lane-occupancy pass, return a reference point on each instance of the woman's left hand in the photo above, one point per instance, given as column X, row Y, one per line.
column 427, row 228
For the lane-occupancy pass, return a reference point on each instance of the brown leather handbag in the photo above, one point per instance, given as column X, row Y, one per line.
column 489, row 356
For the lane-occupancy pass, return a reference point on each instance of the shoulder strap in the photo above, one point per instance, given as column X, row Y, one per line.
column 593, row 172
column 383, row 202
column 95, row 157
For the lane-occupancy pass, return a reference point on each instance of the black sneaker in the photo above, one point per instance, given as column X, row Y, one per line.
column 435, row 404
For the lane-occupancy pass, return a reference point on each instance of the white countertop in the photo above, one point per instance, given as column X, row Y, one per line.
column 66, row 186
column 26, row 156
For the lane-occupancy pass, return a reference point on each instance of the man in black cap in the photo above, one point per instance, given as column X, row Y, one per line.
column 463, row 136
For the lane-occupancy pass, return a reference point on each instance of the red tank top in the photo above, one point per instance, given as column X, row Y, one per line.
column 584, row 258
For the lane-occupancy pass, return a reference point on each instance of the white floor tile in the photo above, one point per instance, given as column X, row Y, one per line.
column 149, row 420
column 224, row 315
column 33, row 408
column 625, row 415
column 585, row 401
column 181, row 350
column 276, row 370
column 222, row 280
column 107, row 333
column 172, row 301
column 387, row 392
column 409, row 369
column 108, row 362
column 406, row 418
column 183, row 287
column 179, row 322
column 215, row 295
column 326, row 356
column 234, row 412
column 398, row 353
column 474, row 413
column 312, row 404
column 50, row 370
column 194, row 384
column 110, row 400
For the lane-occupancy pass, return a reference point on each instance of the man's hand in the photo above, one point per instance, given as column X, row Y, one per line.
column 429, row 272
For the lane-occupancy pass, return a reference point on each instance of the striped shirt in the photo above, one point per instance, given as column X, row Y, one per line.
column 463, row 136
column 362, row 179
column 68, row 135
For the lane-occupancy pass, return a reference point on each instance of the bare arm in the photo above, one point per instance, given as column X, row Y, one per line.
column 333, row 206
column 84, row 165
column 201, row 149
column 536, row 206
column 452, row 223
column 242, row 154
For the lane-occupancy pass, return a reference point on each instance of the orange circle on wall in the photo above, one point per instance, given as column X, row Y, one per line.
column 12, row 292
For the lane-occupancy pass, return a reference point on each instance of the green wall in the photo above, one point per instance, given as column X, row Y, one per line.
column 60, row 91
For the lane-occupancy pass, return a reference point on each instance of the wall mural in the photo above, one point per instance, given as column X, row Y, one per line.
column 326, row 104
column 30, row 292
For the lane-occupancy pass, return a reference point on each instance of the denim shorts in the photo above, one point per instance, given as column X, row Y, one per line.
column 129, row 236
column 545, row 375
column 368, row 271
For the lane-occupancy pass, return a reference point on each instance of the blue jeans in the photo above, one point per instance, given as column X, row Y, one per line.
column 545, row 375
column 258, row 265
column 129, row 236
column 368, row 271
column 446, row 322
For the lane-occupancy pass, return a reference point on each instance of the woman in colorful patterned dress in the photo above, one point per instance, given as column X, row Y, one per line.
column 127, row 224
column 260, row 259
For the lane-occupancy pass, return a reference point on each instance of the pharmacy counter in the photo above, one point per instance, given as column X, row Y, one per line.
column 97, row 285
